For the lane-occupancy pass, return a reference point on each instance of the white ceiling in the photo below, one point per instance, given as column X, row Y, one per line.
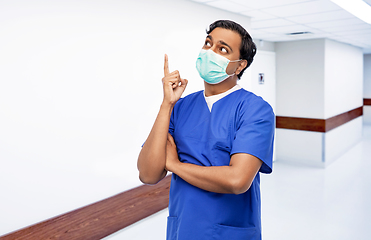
column 273, row 20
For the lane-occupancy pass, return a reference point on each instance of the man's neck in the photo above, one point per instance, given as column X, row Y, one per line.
column 214, row 89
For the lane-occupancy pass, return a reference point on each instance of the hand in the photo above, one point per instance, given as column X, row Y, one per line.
column 171, row 154
column 173, row 84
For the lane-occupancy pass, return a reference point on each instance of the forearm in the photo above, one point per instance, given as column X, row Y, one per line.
column 152, row 157
column 235, row 178
column 219, row 179
column 151, row 160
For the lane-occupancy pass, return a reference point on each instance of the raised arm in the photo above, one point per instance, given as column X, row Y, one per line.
column 151, row 160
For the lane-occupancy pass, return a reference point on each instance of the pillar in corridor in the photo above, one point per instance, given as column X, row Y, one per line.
column 319, row 100
column 367, row 88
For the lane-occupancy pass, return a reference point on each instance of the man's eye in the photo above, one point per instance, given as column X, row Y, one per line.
column 207, row 44
column 223, row 50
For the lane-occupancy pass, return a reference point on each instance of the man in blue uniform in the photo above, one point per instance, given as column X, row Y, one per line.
column 215, row 142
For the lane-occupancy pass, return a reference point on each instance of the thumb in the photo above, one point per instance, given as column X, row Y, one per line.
column 184, row 82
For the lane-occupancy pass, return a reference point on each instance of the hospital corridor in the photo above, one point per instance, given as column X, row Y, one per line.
column 255, row 116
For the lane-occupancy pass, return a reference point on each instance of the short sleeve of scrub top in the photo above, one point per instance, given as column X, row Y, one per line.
column 254, row 132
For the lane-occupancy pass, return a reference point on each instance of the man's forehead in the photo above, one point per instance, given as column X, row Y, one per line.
column 225, row 35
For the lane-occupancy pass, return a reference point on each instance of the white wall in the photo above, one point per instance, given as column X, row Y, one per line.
column 343, row 78
column 343, row 92
column 299, row 147
column 264, row 62
column 80, row 86
column 300, row 67
column 317, row 79
column 367, row 114
column 317, row 149
column 339, row 140
column 264, row 45
column 367, row 87
column 367, row 76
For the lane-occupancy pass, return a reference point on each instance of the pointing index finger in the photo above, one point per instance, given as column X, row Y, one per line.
column 166, row 66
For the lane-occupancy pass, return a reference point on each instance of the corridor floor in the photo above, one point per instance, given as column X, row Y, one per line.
column 302, row 203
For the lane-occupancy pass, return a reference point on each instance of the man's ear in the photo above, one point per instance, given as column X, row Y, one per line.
column 242, row 66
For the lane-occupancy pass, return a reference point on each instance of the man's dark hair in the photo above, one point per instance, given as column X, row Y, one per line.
column 247, row 48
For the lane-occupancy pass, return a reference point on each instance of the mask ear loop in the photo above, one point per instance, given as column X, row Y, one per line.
column 235, row 60
column 236, row 69
column 230, row 75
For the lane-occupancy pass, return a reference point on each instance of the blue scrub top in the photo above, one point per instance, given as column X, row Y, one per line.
column 241, row 122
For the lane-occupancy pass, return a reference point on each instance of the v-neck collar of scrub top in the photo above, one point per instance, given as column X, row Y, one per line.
column 214, row 98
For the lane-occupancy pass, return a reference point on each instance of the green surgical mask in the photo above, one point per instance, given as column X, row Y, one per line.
column 212, row 67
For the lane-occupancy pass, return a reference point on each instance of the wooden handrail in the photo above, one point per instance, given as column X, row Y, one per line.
column 102, row 218
column 318, row 125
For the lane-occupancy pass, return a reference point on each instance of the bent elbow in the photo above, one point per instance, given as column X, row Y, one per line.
column 239, row 187
column 148, row 180
column 151, row 178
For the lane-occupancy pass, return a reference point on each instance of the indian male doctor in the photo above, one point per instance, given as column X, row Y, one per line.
column 216, row 142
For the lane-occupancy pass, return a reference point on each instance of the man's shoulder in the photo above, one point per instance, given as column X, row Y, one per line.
column 250, row 97
column 193, row 95
column 190, row 97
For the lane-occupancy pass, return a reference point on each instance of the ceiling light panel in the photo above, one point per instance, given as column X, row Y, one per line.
column 358, row 8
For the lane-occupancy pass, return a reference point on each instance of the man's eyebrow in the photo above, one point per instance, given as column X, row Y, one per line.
column 221, row 42
column 224, row 43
